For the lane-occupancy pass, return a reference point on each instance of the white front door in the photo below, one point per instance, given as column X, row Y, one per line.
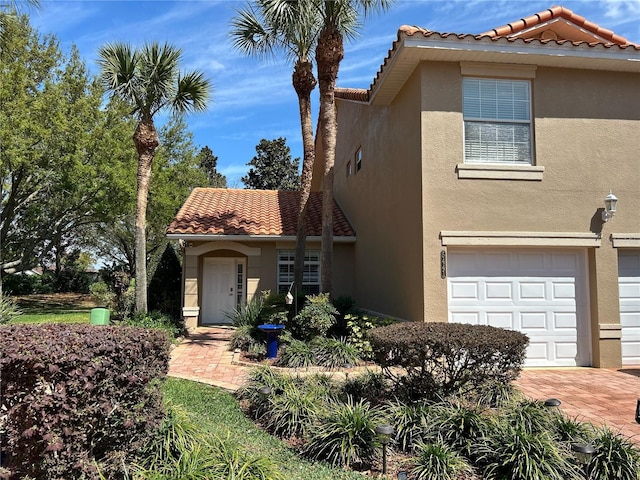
column 218, row 290
column 629, row 283
column 542, row 293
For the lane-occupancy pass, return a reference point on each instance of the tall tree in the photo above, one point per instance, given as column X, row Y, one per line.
column 150, row 81
column 266, row 29
column 272, row 167
column 209, row 162
column 340, row 18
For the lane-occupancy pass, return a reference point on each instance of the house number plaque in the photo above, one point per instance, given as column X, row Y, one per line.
column 443, row 264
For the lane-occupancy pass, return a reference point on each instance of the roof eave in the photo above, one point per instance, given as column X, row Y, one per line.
column 410, row 50
column 253, row 238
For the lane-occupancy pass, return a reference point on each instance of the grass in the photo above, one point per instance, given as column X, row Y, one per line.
column 218, row 412
column 58, row 317
column 54, row 308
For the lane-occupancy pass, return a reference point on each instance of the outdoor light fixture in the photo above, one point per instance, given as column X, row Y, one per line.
column 552, row 403
column 402, row 475
column 638, row 411
column 610, row 203
column 583, row 452
column 264, row 391
column 385, row 432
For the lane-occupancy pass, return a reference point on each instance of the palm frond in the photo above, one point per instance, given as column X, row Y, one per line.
column 253, row 36
column 192, row 94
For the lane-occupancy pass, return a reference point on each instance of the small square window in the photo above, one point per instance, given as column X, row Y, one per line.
column 358, row 159
column 349, row 169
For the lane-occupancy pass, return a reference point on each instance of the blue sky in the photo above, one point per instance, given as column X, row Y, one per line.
column 254, row 99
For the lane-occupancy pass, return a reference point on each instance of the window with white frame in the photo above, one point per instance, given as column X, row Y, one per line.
column 310, row 277
column 497, row 121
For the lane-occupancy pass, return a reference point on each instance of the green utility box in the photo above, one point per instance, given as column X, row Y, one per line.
column 99, row 316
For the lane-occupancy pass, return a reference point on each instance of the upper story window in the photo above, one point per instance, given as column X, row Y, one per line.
column 349, row 169
column 358, row 159
column 497, row 121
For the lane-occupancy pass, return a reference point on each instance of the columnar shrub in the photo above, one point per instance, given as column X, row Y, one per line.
column 79, row 397
column 440, row 359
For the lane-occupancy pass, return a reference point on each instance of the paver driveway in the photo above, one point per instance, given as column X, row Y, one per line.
column 601, row 396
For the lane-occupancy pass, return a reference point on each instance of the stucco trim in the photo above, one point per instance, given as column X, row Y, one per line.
column 500, row 172
column 497, row 70
column 212, row 246
column 519, row 239
column 610, row 331
column 625, row 240
column 251, row 238
column 190, row 311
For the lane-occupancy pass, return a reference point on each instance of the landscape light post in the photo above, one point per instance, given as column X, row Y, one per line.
column 384, row 432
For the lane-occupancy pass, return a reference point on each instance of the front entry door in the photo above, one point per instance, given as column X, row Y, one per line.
column 218, row 295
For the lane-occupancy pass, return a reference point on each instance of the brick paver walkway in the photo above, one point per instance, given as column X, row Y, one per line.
column 600, row 396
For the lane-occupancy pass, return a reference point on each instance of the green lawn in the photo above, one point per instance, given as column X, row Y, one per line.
column 53, row 317
column 218, row 412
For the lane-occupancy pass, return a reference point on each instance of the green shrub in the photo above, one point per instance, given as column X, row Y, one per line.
column 165, row 279
column 334, row 352
column 258, row 378
column 516, row 454
column 296, row 354
column 8, row 310
column 315, row 319
column 411, row 423
column 530, row 416
column 233, row 463
column 616, row 458
column 430, row 360
column 157, row 321
column 568, row 430
column 291, row 411
column 246, row 338
column 370, row 386
column 345, row 434
column 21, row 284
column 247, row 314
column 358, row 326
column 438, row 461
column 459, row 426
column 79, row 397
column 102, row 295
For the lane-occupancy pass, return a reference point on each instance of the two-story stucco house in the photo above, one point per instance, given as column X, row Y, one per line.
column 471, row 179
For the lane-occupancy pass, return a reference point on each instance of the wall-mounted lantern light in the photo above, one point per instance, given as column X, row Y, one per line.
column 610, row 204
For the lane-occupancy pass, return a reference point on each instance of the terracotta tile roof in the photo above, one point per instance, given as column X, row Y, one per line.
column 357, row 94
column 556, row 12
column 219, row 211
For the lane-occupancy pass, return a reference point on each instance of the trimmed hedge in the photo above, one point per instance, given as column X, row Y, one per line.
column 79, row 398
column 429, row 360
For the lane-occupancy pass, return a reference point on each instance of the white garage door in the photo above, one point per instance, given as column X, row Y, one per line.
column 542, row 293
column 629, row 277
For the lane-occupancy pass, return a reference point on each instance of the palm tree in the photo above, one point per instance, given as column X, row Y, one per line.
column 340, row 18
column 263, row 29
column 149, row 80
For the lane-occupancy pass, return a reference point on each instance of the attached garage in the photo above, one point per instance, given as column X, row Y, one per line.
column 542, row 293
column 629, row 282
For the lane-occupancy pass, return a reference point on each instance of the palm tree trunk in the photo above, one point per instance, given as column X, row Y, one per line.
column 329, row 53
column 146, row 141
column 304, row 82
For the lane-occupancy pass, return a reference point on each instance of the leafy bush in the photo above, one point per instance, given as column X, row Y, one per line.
column 616, row 458
column 165, row 278
column 292, row 411
column 345, row 434
column 21, row 284
column 157, row 321
column 102, row 295
column 530, row 416
column 439, row 359
column 438, row 460
column 79, row 397
column 315, row 319
column 358, row 327
column 247, row 314
column 568, row 430
column 371, row 386
column 8, row 309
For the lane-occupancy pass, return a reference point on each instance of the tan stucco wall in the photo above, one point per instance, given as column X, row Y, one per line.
column 261, row 271
column 586, row 136
column 387, row 223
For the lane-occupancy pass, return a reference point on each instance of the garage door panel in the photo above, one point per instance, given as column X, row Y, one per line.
column 534, row 292
column 629, row 288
